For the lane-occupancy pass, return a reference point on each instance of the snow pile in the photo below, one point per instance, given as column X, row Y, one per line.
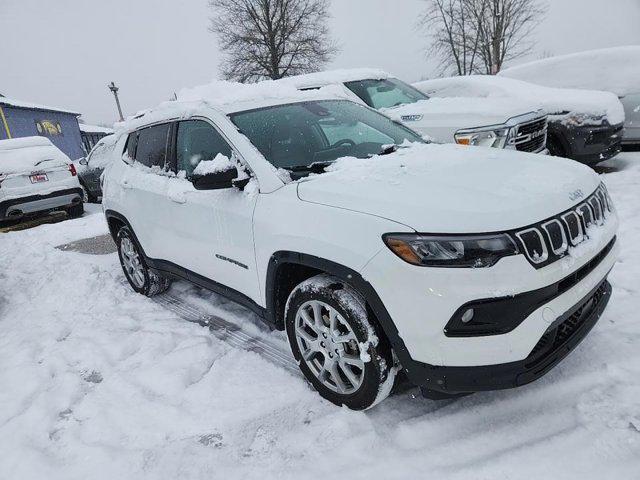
column 555, row 101
column 25, row 154
column 614, row 69
column 99, row 382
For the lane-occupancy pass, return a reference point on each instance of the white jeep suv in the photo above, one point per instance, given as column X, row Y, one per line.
column 464, row 269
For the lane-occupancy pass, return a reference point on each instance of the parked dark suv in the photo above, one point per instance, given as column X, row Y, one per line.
column 94, row 165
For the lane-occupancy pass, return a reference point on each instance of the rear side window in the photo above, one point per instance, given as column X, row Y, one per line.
column 151, row 147
column 198, row 141
column 130, row 147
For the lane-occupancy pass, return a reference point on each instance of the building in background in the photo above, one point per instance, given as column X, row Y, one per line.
column 23, row 119
column 91, row 134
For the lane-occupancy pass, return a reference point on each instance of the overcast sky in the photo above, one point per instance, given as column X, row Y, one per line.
column 65, row 52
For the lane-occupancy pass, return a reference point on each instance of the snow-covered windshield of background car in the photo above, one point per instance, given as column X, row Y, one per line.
column 299, row 135
column 386, row 93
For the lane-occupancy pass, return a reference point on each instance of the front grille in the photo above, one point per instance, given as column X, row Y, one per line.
column 558, row 335
column 550, row 240
column 532, row 136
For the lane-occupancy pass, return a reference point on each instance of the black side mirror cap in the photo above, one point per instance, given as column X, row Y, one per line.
column 215, row 180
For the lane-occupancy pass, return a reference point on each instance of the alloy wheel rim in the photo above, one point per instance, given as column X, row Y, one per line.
column 329, row 347
column 132, row 264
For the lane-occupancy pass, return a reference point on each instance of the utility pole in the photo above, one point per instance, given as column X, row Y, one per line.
column 114, row 89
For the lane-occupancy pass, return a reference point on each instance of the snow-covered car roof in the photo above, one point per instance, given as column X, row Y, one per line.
column 34, row 106
column 24, row 154
column 95, row 129
column 553, row 100
column 614, row 69
column 228, row 98
column 332, row 77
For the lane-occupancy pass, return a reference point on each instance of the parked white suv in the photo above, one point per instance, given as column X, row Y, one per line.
column 466, row 269
column 515, row 124
column 35, row 176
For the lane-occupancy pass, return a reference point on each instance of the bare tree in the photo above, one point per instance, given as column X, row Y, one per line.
column 271, row 38
column 504, row 29
column 449, row 26
column 478, row 36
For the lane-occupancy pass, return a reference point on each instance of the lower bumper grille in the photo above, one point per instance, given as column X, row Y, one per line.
column 560, row 334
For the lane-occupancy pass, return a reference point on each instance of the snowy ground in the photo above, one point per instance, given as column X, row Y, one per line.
column 98, row 382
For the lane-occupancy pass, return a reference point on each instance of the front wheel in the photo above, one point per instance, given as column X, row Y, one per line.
column 337, row 348
column 141, row 278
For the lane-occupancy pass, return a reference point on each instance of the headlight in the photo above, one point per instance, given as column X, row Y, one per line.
column 495, row 137
column 471, row 251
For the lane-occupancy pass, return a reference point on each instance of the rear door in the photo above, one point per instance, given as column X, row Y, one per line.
column 145, row 184
column 210, row 232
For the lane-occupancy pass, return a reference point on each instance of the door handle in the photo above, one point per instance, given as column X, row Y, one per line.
column 179, row 200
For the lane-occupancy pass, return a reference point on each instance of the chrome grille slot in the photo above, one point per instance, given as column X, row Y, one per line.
column 574, row 227
column 556, row 235
column 534, row 245
column 594, row 202
column 586, row 214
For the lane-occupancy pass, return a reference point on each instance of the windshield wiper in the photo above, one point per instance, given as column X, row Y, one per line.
column 315, row 167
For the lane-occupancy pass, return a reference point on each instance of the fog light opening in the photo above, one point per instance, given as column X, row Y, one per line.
column 467, row 316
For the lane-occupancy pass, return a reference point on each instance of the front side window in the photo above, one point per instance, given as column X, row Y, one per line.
column 297, row 135
column 197, row 141
column 386, row 93
column 151, row 149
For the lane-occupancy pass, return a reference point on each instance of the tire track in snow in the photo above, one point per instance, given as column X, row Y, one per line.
column 226, row 331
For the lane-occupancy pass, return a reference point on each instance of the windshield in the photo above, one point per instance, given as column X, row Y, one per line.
column 386, row 93
column 297, row 135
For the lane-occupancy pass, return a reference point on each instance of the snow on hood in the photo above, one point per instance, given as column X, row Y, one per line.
column 458, row 112
column 554, row 101
column 18, row 155
column 614, row 69
column 452, row 189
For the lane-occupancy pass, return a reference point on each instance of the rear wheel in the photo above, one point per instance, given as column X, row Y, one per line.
column 337, row 348
column 141, row 278
column 76, row 210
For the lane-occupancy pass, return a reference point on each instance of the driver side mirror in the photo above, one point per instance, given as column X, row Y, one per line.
column 215, row 180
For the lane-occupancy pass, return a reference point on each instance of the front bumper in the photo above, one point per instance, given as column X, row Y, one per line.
column 590, row 144
column 556, row 343
column 17, row 207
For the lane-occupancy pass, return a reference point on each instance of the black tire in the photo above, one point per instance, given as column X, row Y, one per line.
column 379, row 371
column 153, row 283
column 87, row 196
column 76, row 211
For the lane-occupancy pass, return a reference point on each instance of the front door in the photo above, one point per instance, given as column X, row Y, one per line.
column 210, row 231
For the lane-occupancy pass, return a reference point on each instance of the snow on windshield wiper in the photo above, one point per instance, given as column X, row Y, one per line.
column 317, row 167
